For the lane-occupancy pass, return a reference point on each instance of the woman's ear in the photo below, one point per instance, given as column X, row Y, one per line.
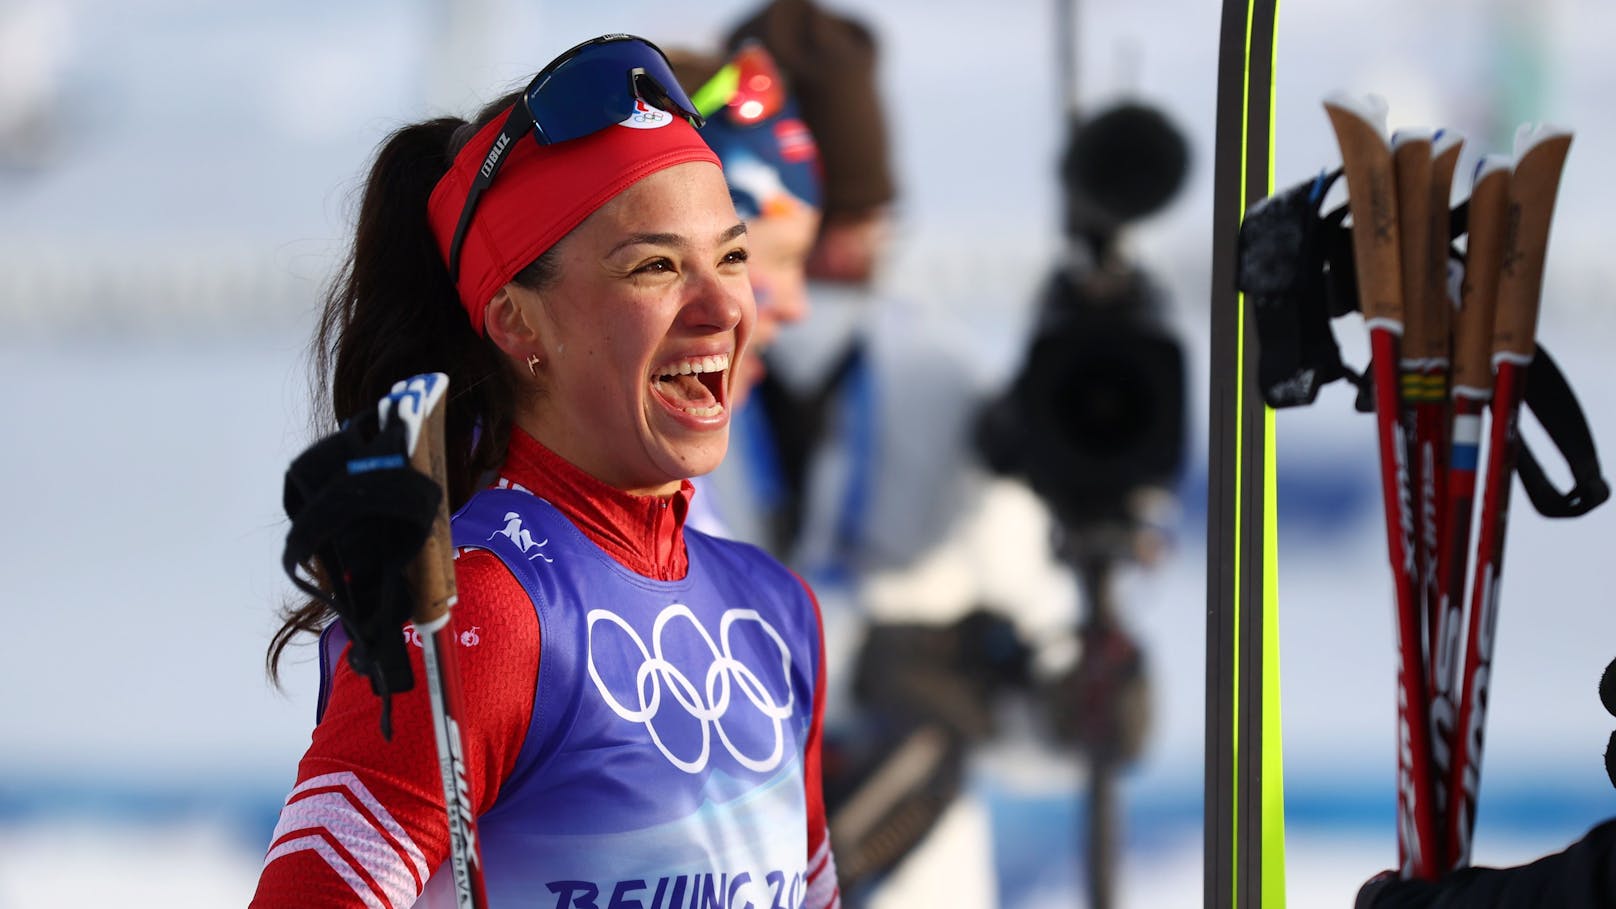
column 506, row 323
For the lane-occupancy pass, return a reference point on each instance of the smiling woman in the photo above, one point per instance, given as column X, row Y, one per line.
column 635, row 338
column 573, row 262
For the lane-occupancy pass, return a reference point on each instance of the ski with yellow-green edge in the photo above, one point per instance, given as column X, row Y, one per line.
column 1244, row 788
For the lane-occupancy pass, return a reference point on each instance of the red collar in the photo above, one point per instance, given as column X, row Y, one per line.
column 643, row 533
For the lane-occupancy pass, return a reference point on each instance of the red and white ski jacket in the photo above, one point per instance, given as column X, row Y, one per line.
column 364, row 825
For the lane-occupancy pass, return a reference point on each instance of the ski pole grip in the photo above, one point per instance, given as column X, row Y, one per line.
column 432, row 572
column 1411, row 169
column 1531, row 208
column 1372, row 198
column 1478, row 294
column 1439, row 305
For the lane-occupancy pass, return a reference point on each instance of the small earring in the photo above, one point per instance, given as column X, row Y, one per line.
column 533, row 362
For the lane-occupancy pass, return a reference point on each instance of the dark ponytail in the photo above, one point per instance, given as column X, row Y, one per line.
column 392, row 312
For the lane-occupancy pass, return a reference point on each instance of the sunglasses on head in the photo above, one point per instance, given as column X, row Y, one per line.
column 748, row 87
column 599, row 83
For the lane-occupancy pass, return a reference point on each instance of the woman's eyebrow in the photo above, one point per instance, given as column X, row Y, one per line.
column 648, row 239
column 672, row 239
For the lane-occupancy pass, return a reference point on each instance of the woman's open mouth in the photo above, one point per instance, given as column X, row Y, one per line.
column 694, row 385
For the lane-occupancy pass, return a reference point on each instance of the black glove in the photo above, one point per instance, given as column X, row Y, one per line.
column 1581, row 877
column 360, row 514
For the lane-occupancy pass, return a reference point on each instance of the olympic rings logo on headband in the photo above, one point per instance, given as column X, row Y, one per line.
column 708, row 703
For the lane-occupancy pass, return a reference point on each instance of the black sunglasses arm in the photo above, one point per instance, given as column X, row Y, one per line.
column 518, row 122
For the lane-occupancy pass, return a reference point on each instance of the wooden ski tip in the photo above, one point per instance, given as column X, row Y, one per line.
column 1410, row 135
column 1371, row 109
column 1540, row 156
column 1491, row 164
column 1445, row 152
column 1367, row 158
column 1448, row 273
column 1411, row 170
column 1446, row 141
column 1472, row 345
column 1540, row 159
column 1530, row 135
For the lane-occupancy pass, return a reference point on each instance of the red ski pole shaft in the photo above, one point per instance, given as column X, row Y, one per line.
column 1432, row 415
column 1472, row 389
column 1424, row 170
column 1411, row 165
column 1434, row 356
column 1367, row 158
column 1540, row 159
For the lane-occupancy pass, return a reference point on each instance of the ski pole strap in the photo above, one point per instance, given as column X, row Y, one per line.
column 1552, row 402
column 1296, row 265
column 359, row 515
column 1289, row 264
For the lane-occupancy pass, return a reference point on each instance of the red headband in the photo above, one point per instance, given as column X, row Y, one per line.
column 542, row 193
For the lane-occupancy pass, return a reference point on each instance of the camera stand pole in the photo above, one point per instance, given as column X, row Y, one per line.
column 1110, row 702
column 1103, row 821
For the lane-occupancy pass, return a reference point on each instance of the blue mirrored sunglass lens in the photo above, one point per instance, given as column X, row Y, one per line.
column 594, row 90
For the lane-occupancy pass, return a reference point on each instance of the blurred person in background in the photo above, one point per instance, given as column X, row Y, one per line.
column 870, row 489
column 829, row 64
column 572, row 260
column 771, row 164
column 948, row 570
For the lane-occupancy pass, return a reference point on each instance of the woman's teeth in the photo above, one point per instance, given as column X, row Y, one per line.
column 694, row 366
column 693, row 384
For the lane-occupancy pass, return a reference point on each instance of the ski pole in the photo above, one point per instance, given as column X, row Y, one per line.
column 421, row 401
column 1540, row 158
column 1472, row 390
column 1366, row 154
column 1411, row 166
column 1431, row 355
column 1472, row 382
column 1424, row 165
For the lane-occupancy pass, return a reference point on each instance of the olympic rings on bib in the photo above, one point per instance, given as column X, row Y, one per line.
column 711, row 701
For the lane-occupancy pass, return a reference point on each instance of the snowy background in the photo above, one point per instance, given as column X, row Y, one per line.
column 176, row 177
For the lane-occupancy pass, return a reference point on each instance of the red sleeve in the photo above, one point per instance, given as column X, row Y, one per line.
column 823, row 890
column 365, row 826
